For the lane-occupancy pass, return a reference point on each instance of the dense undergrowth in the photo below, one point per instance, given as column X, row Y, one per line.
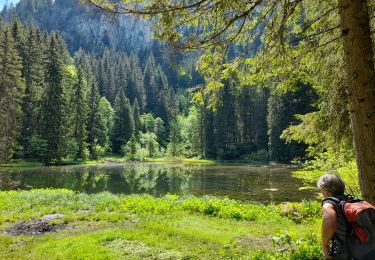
column 107, row 226
column 348, row 171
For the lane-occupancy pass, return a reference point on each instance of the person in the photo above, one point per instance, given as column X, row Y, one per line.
column 334, row 229
column 337, row 240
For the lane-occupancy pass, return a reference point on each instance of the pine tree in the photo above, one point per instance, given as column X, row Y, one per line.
column 33, row 75
column 123, row 125
column 18, row 36
column 260, row 118
column 210, row 149
column 149, row 83
column 136, row 117
column 198, row 130
column 79, row 113
column 11, row 93
column 93, row 117
column 53, row 102
column 174, row 145
column 282, row 108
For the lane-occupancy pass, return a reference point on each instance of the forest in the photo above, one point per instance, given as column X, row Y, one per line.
column 132, row 103
column 170, row 129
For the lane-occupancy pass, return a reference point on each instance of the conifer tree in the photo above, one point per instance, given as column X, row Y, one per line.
column 210, row 150
column 198, row 130
column 53, row 102
column 18, row 36
column 123, row 125
column 33, row 75
column 136, row 116
column 149, row 83
column 282, row 108
column 11, row 93
column 79, row 113
column 93, row 118
column 174, row 145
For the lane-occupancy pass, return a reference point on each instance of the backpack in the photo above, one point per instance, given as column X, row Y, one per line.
column 359, row 217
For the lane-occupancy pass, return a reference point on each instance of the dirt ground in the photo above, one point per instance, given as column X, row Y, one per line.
column 36, row 227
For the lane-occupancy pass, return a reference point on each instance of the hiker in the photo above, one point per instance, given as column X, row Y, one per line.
column 341, row 239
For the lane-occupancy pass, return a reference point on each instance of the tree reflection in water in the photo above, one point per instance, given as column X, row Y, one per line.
column 242, row 182
column 156, row 180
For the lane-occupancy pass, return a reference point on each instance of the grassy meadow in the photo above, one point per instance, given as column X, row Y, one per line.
column 107, row 226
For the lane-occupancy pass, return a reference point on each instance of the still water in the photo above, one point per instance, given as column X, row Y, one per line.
column 243, row 182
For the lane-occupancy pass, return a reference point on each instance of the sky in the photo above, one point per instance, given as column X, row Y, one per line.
column 3, row 2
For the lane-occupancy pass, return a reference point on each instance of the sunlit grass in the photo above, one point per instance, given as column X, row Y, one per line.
column 22, row 163
column 108, row 226
column 179, row 160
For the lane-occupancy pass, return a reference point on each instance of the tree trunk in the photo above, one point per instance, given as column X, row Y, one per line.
column 358, row 53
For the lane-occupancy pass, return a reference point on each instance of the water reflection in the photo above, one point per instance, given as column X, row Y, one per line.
column 235, row 181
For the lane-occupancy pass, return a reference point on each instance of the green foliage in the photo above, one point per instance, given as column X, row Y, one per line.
column 123, row 122
column 347, row 171
column 38, row 147
column 93, row 128
column 98, row 151
column 118, row 227
column 210, row 206
column 78, row 114
column 131, row 148
column 105, row 122
column 258, row 156
column 147, row 146
column 11, row 94
column 305, row 248
column 299, row 99
column 53, row 106
column 305, row 211
column 70, row 149
column 150, row 143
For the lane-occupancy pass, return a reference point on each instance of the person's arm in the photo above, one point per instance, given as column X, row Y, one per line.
column 328, row 227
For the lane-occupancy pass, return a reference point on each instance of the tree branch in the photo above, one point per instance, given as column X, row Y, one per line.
column 315, row 34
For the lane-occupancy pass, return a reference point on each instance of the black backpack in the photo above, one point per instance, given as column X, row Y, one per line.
column 358, row 234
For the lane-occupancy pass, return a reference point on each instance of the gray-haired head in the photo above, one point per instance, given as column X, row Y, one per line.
column 331, row 183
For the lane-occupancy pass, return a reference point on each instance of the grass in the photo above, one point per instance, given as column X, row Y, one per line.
column 22, row 163
column 107, row 226
column 107, row 159
column 179, row 160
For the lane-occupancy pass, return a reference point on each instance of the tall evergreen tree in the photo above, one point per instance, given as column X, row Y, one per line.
column 93, row 117
column 11, row 93
column 123, row 125
column 136, row 116
column 53, row 104
column 150, row 83
column 282, row 108
column 210, row 150
column 79, row 113
column 33, row 75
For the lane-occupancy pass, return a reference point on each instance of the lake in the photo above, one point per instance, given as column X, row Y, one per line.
column 237, row 181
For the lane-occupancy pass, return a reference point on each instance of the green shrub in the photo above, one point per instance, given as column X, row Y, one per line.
column 38, row 147
column 307, row 248
column 300, row 212
column 98, row 151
